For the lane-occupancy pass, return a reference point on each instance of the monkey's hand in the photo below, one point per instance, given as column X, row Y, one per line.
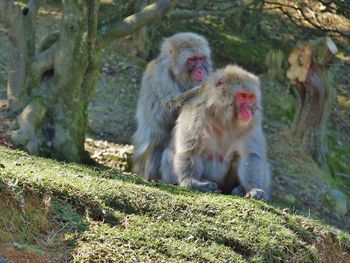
column 180, row 100
column 257, row 193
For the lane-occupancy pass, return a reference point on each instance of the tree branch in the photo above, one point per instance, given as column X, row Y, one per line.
column 182, row 13
column 314, row 22
column 112, row 30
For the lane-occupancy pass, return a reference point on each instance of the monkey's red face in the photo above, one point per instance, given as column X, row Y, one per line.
column 245, row 101
column 197, row 68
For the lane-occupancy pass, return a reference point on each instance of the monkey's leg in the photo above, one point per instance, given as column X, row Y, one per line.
column 189, row 170
column 167, row 168
column 252, row 175
column 152, row 163
column 231, row 183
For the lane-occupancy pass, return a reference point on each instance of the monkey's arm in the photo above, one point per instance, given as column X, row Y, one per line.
column 188, row 166
column 178, row 101
column 253, row 170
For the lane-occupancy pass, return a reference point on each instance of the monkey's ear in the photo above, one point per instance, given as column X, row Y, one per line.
column 169, row 49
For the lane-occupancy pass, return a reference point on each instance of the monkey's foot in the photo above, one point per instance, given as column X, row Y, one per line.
column 206, row 186
column 203, row 186
column 256, row 193
column 239, row 190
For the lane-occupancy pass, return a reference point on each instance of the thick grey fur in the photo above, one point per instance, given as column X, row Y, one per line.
column 185, row 161
column 166, row 86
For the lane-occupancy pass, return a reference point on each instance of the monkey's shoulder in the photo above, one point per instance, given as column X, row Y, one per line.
column 151, row 66
column 155, row 67
column 192, row 114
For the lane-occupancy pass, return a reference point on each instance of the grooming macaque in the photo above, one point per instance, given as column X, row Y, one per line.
column 217, row 143
column 168, row 82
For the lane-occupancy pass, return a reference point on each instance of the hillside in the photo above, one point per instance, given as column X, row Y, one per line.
column 57, row 211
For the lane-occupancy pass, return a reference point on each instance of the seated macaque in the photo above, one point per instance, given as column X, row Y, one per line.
column 218, row 143
column 169, row 81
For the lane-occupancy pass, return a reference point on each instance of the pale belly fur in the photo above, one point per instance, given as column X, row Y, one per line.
column 216, row 154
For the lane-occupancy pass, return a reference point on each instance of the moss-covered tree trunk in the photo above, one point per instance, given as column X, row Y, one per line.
column 312, row 80
column 57, row 82
column 52, row 86
column 21, row 34
column 73, row 80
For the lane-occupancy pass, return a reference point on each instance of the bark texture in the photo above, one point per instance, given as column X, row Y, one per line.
column 49, row 89
column 310, row 76
column 21, row 33
column 59, row 84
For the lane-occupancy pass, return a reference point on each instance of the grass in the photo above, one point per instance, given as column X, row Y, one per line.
column 100, row 215
column 56, row 211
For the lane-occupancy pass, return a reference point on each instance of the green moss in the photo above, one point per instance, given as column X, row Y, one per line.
column 279, row 102
column 158, row 222
column 338, row 162
column 242, row 51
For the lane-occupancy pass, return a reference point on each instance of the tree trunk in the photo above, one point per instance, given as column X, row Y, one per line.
column 22, row 49
column 311, row 78
column 53, row 86
column 54, row 120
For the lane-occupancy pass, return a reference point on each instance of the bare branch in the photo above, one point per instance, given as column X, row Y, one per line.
column 313, row 21
column 181, row 13
column 112, row 30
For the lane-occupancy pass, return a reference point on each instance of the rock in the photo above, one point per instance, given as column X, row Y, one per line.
column 112, row 155
column 337, row 201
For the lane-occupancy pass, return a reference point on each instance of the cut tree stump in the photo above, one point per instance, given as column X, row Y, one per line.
column 310, row 75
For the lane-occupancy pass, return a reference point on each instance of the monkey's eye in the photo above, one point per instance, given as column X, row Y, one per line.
column 201, row 59
column 219, row 82
column 191, row 59
column 191, row 62
column 245, row 97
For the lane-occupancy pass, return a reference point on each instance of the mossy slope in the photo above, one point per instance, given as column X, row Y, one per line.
column 102, row 216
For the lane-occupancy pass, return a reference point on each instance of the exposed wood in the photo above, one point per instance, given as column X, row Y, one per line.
column 310, row 76
column 300, row 61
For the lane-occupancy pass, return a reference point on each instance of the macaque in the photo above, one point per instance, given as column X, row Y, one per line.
column 169, row 81
column 218, row 143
